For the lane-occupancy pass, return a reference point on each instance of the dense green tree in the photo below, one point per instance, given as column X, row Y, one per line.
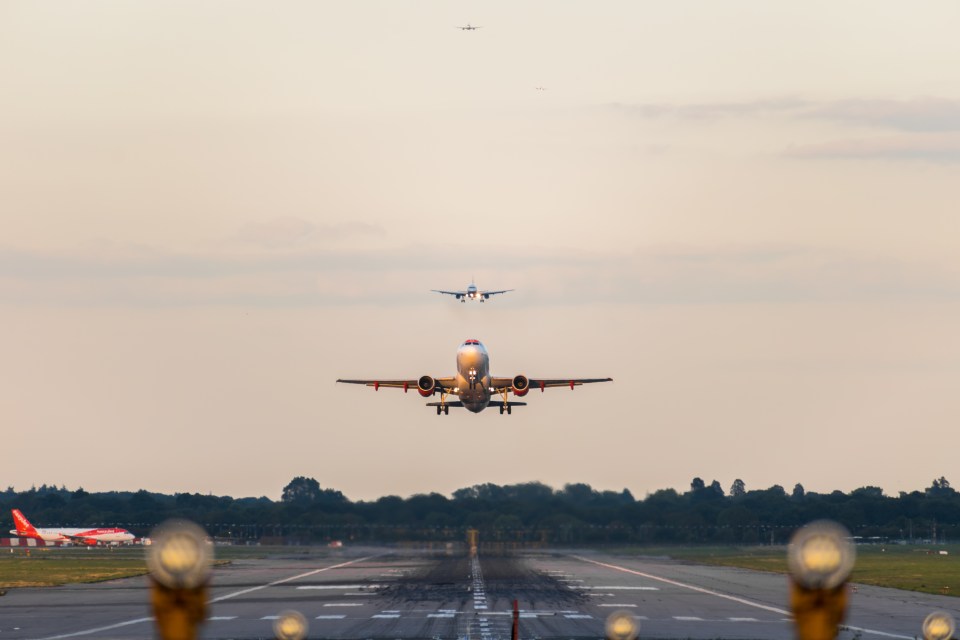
column 738, row 488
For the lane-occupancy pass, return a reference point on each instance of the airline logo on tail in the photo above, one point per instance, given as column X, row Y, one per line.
column 24, row 528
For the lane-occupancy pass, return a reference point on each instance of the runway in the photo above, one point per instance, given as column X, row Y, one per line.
column 380, row 593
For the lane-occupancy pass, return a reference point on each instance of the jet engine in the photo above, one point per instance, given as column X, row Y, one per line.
column 521, row 385
column 426, row 386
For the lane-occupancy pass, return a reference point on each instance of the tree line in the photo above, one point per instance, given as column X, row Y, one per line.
column 529, row 512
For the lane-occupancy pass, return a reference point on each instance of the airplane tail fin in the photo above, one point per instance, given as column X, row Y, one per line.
column 24, row 528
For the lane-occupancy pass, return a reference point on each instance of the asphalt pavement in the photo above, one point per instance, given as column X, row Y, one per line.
column 383, row 593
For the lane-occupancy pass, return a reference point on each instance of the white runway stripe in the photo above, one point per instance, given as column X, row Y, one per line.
column 215, row 618
column 386, row 615
column 629, row 606
column 622, row 588
column 343, row 604
column 340, row 587
column 688, row 618
column 339, row 617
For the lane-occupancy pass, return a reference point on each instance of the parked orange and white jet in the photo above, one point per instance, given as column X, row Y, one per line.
column 473, row 384
column 91, row 537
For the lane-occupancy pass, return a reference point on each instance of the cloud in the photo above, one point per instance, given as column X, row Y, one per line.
column 289, row 231
column 921, row 115
column 403, row 275
column 713, row 110
column 943, row 148
column 918, row 115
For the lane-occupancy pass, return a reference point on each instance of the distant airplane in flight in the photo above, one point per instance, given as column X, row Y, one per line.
column 90, row 537
column 473, row 384
column 540, row 88
column 469, row 27
column 472, row 293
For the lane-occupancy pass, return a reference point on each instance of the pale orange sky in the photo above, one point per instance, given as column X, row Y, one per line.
column 743, row 212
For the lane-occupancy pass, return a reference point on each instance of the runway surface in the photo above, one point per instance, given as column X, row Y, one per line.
column 377, row 593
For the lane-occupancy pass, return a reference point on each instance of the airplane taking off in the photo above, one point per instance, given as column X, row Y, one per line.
column 474, row 385
column 472, row 293
column 469, row 27
column 90, row 537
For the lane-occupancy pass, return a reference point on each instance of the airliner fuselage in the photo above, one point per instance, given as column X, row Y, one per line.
column 473, row 376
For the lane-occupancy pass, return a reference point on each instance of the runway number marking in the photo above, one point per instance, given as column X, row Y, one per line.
column 749, row 603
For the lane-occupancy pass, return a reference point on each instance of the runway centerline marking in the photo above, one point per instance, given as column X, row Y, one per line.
column 119, row 625
column 749, row 603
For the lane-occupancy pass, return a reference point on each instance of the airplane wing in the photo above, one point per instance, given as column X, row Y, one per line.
column 444, row 383
column 459, row 294
column 547, row 383
column 493, row 293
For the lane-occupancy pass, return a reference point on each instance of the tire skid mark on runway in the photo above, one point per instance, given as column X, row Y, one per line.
column 726, row 596
column 119, row 625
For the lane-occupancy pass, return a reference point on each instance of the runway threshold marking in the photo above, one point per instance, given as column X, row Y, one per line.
column 749, row 603
column 127, row 623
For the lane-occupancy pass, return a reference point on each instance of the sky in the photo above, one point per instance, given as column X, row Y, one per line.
column 743, row 212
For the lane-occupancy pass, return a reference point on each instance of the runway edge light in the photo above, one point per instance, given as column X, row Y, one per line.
column 820, row 558
column 291, row 625
column 939, row 625
column 180, row 561
column 622, row 625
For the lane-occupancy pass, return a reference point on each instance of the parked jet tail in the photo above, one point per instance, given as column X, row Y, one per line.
column 24, row 528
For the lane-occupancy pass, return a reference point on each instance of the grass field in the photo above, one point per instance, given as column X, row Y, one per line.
column 911, row 567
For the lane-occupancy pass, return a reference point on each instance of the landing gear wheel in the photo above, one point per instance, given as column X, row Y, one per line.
column 438, row 410
column 509, row 410
column 446, row 411
column 501, row 410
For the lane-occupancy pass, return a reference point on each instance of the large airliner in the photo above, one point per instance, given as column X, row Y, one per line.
column 472, row 293
column 473, row 384
column 91, row 537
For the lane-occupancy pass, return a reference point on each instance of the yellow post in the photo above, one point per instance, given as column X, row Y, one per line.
column 179, row 561
column 820, row 558
column 473, row 538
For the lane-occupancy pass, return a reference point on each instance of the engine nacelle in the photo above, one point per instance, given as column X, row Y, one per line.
column 521, row 386
column 426, row 386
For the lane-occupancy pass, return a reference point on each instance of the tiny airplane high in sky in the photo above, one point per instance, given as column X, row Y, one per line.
column 473, row 384
column 469, row 27
column 472, row 293
column 90, row 537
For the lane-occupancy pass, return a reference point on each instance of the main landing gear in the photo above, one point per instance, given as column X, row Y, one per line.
column 445, row 410
column 508, row 408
